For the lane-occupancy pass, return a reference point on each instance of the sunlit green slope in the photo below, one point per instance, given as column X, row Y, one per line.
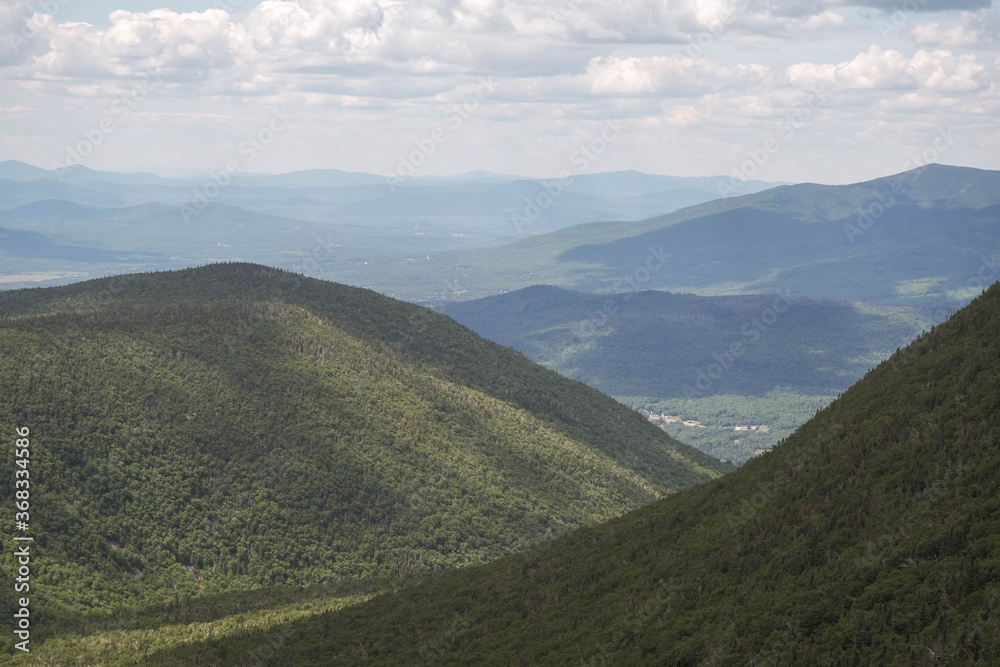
column 235, row 427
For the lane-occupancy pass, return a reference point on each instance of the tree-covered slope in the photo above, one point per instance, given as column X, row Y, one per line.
column 722, row 361
column 658, row 344
column 234, row 426
column 869, row 537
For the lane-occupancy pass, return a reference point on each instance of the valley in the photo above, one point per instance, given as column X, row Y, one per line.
column 722, row 361
column 248, row 464
column 500, row 334
column 199, row 427
column 867, row 536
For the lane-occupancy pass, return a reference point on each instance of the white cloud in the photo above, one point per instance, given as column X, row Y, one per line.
column 932, row 34
column 23, row 32
column 945, row 72
column 184, row 46
column 979, row 30
column 424, row 36
column 919, row 5
column 367, row 76
column 669, row 76
column 879, row 69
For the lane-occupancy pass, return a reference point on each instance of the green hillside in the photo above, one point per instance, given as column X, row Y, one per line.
column 869, row 537
column 234, row 427
column 764, row 360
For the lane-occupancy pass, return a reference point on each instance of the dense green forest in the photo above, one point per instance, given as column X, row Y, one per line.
column 724, row 361
column 234, row 428
column 869, row 537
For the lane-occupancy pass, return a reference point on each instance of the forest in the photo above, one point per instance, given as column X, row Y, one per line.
column 234, row 428
column 869, row 537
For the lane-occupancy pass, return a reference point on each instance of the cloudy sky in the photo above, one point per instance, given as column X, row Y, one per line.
column 831, row 91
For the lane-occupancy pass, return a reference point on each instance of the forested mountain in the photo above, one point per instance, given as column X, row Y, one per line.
column 235, row 427
column 869, row 537
column 930, row 236
column 767, row 360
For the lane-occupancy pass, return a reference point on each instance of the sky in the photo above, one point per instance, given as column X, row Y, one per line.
column 827, row 91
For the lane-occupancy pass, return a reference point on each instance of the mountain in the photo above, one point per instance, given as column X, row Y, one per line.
column 869, row 537
column 927, row 236
column 110, row 240
column 310, row 178
column 235, row 427
column 667, row 200
column 55, row 210
column 32, row 246
column 75, row 174
column 475, row 175
column 332, row 224
column 14, row 194
column 632, row 183
column 767, row 361
column 605, row 184
column 13, row 170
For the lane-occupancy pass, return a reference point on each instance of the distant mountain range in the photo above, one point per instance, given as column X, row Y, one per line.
column 928, row 236
column 927, row 239
column 614, row 184
column 326, row 222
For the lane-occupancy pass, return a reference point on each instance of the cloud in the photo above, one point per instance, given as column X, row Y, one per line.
column 977, row 30
column 670, row 76
column 365, row 77
column 879, row 69
column 23, row 32
column 184, row 46
column 317, row 30
column 911, row 6
column 421, row 37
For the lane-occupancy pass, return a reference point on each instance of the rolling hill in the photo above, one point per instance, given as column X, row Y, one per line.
column 235, row 427
column 869, row 537
column 768, row 361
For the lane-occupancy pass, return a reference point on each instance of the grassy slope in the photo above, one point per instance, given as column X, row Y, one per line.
column 233, row 426
column 869, row 537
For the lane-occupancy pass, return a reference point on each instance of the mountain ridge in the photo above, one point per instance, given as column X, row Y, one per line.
column 867, row 537
column 232, row 427
column 852, row 242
